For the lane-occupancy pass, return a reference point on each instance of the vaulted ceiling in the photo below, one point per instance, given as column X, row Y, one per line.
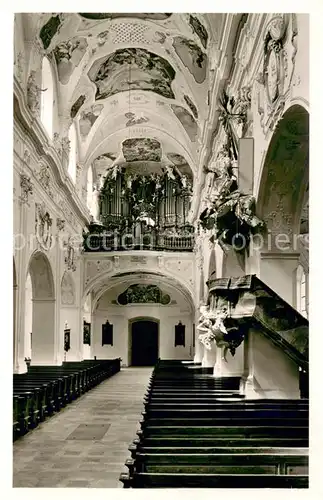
column 128, row 79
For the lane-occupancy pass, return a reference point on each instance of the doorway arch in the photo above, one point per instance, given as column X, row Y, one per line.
column 143, row 341
column 44, row 346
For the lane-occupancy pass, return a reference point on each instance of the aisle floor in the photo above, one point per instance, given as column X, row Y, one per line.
column 85, row 445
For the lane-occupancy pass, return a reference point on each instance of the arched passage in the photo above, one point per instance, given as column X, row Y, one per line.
column 282, row 191
column 121, row 298
column 44, row 345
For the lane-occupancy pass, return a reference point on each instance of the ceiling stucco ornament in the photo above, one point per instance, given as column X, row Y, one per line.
column 43, row 226
column 26, row 188
column 19, row 64
column 132, row 69
column 135, row 119
column 45, row 179
column 60, row 224
column 280, row 47
column 33, row 94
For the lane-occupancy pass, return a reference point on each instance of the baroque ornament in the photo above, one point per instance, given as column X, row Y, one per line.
column 70, row 255
column 229, row 213
column 45, row 180
column 213, row 323
column 26, row 188
column 43, row 226
column 33, row 94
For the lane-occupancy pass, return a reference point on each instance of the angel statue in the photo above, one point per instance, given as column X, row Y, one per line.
column 169, row 172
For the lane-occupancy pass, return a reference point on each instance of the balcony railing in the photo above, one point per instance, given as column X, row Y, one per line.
column 109, row 242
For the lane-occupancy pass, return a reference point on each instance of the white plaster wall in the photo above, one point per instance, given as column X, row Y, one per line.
column 119, row 316
column 275, row 374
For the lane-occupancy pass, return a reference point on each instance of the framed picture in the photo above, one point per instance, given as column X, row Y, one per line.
column 86, row 333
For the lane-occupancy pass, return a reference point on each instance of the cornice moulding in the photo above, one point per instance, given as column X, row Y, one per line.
column 35, row 133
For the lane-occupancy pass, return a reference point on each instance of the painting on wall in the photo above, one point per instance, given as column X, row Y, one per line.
column 88, row 118
column 187, row 121
column 143, row 294
column 193, row 58
column 132, row 69
column 141, row 149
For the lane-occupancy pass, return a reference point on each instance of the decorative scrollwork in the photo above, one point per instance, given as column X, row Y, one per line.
column 26, row 188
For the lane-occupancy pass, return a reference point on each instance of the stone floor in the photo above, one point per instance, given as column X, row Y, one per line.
column 85, row 445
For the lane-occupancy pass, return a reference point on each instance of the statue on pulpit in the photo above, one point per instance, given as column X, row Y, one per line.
column 213, row 324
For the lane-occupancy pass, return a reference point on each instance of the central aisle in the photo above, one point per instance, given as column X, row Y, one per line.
column 86, row 444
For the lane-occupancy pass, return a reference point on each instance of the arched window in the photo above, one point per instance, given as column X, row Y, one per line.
column 72, row 155
column 47, row 97
column 301, row 291
column 89, row 187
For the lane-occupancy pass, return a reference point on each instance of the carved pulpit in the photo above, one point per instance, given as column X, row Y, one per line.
column 107, row 334
column 180, row 334
column 250, row 303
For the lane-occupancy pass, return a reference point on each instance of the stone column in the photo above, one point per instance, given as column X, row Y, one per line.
column 278, row 271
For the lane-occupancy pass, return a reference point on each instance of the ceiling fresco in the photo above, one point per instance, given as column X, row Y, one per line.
column 141, row 149
column 133, row 69
column 68, row 55
column 199, row 29
column 187, row 121
column 77, row 105
column 191, row 105
column 88, row 118
column 192, row 57
column 127, row 80
column 49, row 30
